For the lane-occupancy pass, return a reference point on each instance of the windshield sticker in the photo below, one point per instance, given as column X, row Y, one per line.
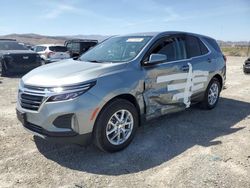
column 135, row 40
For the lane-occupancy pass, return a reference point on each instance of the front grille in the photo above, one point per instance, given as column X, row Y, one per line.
column 31, row 102
column 24, row 58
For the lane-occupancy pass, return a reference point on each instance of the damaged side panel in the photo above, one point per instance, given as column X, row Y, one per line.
column 158, row 97
column 169, row 89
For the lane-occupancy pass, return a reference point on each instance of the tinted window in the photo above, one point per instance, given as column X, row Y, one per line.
column 58, row 48
column 182, row 48
column 74, row 46
column 203, row 48
column 87, row 45
column 192, row 46
column 168, row 47
column 40, row 48
column 213, row 43
column 10, row 45
column 173, row 48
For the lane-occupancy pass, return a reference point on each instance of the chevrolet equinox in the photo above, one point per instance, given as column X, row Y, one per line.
column 111, row 89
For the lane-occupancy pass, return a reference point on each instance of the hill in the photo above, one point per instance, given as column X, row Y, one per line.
column 34, row 39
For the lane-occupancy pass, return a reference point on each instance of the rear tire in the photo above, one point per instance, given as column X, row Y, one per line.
column 115, row 126
column 212, row 95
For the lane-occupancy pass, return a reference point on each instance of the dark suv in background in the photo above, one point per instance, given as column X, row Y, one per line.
column 16, row 58
column 77, row 47
column 246, row 66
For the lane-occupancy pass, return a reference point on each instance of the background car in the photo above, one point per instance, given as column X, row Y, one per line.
column 52, row 52
column 16, row 58
column 77, row 47
column 246, row 66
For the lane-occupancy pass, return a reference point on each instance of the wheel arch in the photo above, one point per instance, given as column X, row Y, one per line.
column 220, row 79
column 126, row 96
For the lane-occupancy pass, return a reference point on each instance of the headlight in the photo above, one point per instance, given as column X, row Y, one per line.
column 66, row 96
column 69, row 92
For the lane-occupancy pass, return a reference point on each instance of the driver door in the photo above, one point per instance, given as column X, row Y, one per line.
column 166, row 83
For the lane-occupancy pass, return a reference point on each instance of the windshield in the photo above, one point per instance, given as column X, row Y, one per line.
column 11, row 45
column 117, row 49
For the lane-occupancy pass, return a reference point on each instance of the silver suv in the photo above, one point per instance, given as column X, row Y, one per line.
column 111, row 89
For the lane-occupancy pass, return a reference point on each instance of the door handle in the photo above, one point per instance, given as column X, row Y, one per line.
column 209, row 60
column 185, row 68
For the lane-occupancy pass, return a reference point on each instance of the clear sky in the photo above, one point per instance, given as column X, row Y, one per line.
column 221, row 19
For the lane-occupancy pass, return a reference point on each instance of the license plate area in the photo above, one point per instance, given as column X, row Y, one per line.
column 21, row 116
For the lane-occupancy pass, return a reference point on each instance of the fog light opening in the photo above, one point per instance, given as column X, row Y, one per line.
column 74, row 124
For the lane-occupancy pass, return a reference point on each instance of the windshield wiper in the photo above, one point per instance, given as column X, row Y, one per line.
column 93, row 61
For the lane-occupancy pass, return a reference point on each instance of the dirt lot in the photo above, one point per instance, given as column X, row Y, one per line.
column 194, row 148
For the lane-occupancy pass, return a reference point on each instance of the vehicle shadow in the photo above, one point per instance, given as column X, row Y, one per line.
column 159, row 141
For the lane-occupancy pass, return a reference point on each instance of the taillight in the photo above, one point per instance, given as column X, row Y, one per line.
column 225, row 58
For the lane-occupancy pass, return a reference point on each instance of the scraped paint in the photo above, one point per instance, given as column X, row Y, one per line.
column 194, row 81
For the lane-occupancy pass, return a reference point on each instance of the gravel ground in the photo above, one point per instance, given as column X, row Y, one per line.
column 194, row 148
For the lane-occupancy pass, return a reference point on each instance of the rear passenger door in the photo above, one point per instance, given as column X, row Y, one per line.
column 166, row 88
column 201, row 64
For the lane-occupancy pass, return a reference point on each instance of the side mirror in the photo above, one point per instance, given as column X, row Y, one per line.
column 156, row 58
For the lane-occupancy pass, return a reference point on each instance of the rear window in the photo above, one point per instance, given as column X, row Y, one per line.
column 203, row 48
column 11, row 45
column 58, row 48
column 74, row 46
column 195, row 47
column 213, row 43
column 40, row 48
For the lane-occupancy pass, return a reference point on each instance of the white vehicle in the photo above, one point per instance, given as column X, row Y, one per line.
column 52, row 52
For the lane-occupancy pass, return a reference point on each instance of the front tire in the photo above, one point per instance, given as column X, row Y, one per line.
column 212, row 95
column 116, row 125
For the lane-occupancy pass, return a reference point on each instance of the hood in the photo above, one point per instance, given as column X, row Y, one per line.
column 69, row 72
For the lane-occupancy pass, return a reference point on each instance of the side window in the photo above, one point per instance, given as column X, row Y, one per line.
column 69, row 46
column 182, row 48
column 203, row 48
column 75, row 46
column 39, row 48
column 213, row 43
column 168, row 47
column 192, row 46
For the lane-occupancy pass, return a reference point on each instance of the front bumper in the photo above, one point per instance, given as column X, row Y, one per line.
column 45, row 124
column 57, row 137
